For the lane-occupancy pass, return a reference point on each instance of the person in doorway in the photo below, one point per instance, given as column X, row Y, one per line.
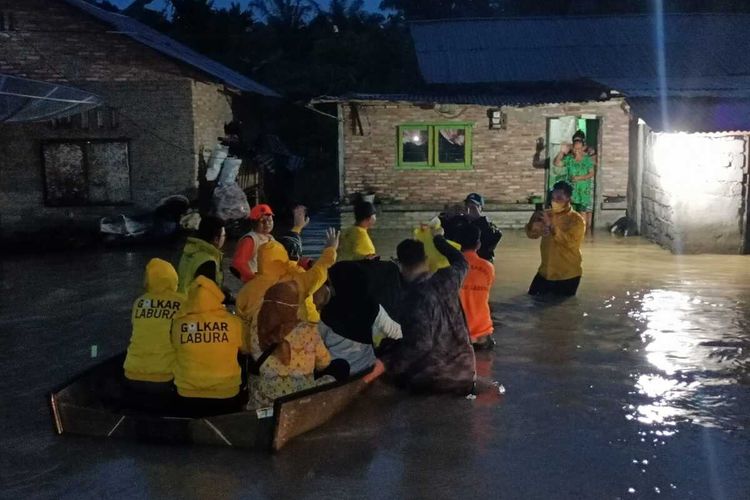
column 352, row 321
column 202, row 254
column 580, row 170
column 435, row 354
column 355, row 240
column 475, row 291
column 150, row 356
column 206, row 339
column 561, row 229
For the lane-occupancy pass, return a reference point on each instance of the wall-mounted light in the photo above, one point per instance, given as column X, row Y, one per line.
column 498, row 119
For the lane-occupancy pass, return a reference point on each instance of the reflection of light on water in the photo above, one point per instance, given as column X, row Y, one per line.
column 669, row 343
column 667, row 327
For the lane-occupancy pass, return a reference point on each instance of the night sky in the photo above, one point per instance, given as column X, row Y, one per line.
column 371, row 5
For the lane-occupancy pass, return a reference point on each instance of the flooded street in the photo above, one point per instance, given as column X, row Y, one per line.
column 639, row 387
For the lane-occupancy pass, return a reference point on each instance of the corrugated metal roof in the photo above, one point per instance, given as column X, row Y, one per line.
column 693, row 115
column 599, row 48
column 152, row 38
column 24, row 100
column 517, row 97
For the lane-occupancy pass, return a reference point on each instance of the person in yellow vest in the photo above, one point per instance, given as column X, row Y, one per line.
column 561, row 229
column 274, row 267
column 355, row 240
column 150, row 356
column 202, row 254
column 207, row 339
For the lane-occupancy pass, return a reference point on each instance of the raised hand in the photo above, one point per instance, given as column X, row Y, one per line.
column 332, row 238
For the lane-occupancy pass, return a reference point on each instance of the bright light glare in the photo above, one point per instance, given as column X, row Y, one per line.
column 687, row 162
column 416, row 139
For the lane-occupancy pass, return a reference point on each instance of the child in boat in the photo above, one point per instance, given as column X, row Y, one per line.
column 207, row 339
column 352, row 321
column 355, row 240
column 475, row 290
column 150, row 357
column 290, row 355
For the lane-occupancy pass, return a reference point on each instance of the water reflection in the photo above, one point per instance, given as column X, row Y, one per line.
column 688, row 341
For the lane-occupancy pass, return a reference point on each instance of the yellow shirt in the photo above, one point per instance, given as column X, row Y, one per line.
column 150, row 356
column 561, row 250
column 355, row 244
column 274, row 267
column 206, row 338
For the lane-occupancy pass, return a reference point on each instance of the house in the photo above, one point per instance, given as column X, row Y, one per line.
column 502, row 94
column 162, row 103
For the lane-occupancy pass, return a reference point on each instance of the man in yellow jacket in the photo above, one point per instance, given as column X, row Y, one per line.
column 206, row 338
column 561, row 229
column 150, row 357
column 274, row 267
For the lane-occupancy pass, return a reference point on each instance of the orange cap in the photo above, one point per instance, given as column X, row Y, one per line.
column 259, row 211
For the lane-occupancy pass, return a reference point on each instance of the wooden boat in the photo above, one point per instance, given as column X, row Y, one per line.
column 91, row 405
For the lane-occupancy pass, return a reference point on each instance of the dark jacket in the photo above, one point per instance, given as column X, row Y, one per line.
column 490, row 234
column 435, row 353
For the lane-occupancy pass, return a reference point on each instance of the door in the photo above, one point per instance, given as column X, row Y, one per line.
column 560, row 130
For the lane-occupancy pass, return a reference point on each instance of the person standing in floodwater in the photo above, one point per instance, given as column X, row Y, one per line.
column 561, row 229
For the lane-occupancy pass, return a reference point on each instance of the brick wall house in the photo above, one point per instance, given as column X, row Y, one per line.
column 162, row 103
column 500, row 162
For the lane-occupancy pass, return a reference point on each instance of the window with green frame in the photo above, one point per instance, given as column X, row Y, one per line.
column 434, row 145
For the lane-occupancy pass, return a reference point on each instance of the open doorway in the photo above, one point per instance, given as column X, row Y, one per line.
column 560, row 130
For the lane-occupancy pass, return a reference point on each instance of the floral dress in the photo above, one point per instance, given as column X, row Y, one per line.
column 583, row 192
column 277, row 379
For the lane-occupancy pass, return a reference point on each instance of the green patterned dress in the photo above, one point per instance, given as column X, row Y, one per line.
column 583, row 191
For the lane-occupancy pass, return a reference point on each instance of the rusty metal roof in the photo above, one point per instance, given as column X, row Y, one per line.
column 169, row 47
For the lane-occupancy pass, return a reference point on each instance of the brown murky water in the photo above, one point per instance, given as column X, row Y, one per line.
column 639, row 387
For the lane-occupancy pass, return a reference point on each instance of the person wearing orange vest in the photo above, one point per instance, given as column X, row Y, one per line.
column 150, row 356
column 475, row 290
column 245, row 259
column 207, row 339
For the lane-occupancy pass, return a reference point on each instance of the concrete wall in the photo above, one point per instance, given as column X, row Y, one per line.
column 502, row 159
column 165, row 109
column 694, row 197
column 212, row 108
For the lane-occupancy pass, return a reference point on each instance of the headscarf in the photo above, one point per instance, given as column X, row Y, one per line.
column 351, row 311
column 277, row 318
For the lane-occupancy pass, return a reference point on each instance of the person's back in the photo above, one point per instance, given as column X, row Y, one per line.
column 202, row 254
column 207, row 339
column 435, row 353
column 475, row 291
column 274, row 266
column 355, row 240
column 150, row 355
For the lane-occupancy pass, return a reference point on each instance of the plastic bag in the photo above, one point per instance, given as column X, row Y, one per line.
column 435, row 260
column 230, row 202
column 229, row 170
column 215, row 161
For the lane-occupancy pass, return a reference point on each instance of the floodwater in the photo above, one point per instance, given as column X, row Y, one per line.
column 639, row 387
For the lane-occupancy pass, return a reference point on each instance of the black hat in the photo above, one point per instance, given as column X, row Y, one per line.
column 363, row 210
column 475, row 198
